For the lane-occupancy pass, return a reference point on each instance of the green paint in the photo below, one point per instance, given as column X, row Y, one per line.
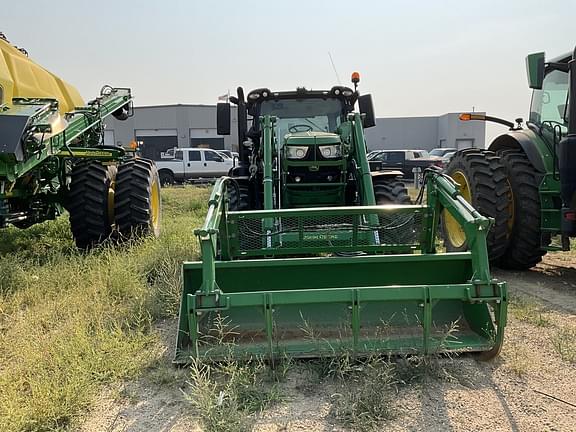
column 40, row 176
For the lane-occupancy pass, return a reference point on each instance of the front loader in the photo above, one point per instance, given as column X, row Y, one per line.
column 53, row 157
column 526, row 179
column 306, row 253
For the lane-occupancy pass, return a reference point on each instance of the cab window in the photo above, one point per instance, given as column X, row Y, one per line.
column 213, row 157
column 549, row 106
column 194, row 155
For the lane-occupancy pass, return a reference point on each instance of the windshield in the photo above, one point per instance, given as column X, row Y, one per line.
column 301, row 115
column 550, row 105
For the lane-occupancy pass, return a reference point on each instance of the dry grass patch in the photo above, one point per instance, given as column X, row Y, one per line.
column 529, row 311
column 564, row 343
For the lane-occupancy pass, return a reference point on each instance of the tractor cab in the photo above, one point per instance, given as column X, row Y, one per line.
column 310, row 151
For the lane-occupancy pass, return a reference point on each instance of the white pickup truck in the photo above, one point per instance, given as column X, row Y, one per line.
column 181, row 164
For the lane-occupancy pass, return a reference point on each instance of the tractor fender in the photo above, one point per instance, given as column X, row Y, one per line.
column 387, row 173
column 520, row 140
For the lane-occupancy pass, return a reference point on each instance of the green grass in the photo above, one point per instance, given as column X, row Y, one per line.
column 564, row 343
column 529, row 311
column 72, row 322
column 224, row 395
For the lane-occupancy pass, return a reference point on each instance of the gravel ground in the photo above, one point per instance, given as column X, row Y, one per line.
column 528, row 388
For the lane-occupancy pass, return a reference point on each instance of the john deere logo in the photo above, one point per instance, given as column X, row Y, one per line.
column 320, row 237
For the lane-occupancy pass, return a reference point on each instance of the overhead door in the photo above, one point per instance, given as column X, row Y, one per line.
column 152, row 142
column 206, row 138
column 463, row 143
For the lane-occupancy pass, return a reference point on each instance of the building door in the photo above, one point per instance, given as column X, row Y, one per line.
column 463, row 143
column 206, row 138
column 152, row 142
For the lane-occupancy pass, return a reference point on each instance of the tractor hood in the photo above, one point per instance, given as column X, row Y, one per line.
column 311, row 138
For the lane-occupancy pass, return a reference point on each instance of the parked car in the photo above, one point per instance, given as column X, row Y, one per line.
column 181, row 164
column 441, row 152
column 403, row 160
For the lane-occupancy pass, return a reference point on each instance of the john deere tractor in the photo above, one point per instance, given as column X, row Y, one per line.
column 318, row 156
column 526, row 179
column 306, row 253
column 52, row 157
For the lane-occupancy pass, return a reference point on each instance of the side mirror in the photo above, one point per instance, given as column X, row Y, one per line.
column 367, row 108
column 535, row 70
column 223, row 118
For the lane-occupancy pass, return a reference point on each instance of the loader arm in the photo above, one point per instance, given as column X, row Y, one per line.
column 398, row 296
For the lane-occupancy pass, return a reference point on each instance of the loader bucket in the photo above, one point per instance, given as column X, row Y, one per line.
column 249, row 296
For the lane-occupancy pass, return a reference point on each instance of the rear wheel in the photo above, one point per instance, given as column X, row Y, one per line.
column 137, row 204
column 483, row 183
column 238, row 198
column 89, row 203
column 394, row 228
column 390, row 191
column 525, row 241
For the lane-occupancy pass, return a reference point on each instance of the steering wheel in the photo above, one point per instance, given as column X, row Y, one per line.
column 299, row 128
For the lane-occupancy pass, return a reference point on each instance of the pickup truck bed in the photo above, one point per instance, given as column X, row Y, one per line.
column 403, row 160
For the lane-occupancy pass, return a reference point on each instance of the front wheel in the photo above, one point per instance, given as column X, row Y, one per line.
column 137, row 208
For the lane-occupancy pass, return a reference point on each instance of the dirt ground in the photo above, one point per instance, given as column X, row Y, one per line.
column 528, row 388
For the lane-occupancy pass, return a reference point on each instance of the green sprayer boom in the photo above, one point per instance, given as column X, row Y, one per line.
column 53, row 157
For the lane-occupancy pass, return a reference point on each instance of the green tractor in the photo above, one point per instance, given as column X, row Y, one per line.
column 526, row 179
column 318, row 157
column 53, row 157
column 306, row 253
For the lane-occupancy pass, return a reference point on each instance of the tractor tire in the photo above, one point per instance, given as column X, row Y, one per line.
column 390, row 191
column 89, row 203
column 484, row 184
column 525, row 241
column 238, row 199
column 137, row 206
column 394, row 229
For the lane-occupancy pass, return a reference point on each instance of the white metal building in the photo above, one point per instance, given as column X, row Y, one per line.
column 158, row 128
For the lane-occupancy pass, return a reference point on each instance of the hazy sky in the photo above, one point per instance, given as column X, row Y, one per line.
column 415, row 57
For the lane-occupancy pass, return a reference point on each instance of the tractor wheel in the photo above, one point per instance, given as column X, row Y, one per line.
column 137, row 207
column 483, row 183
column 238, row 199
column 394, row 229
column 525, row 242
column 390, row 191
column 89, row 203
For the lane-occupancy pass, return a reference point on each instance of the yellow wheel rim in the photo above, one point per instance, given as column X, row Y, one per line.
column 111, row 202
column 454, row 232
column 155, row 204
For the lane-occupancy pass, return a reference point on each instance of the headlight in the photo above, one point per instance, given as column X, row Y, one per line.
column 331, row 151
column 296, row 152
